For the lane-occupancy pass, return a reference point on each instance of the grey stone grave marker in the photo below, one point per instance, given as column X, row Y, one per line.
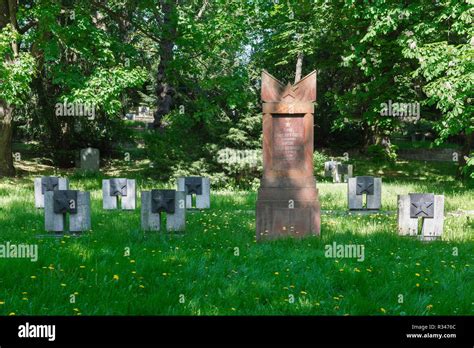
column 112, row 189
column 364, row 185
column 90, row 159
column 338, row 171
column 170, row 202
column 199, row 186
column 48, row 183
column 61, row 202
column 429, row 207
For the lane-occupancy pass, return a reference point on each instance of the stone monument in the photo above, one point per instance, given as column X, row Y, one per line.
column 198, row 186
column 90, row 159
column 115, row 190
column 61, row 202
column 48, row 183
column 428, row 207
column 364, row 185
column 169, row 202
column 287, row 202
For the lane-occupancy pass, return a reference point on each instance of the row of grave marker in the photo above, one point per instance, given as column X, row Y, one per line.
column 427, row 206
column 53, row 194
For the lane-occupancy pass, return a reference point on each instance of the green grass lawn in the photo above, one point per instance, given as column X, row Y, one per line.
column 217, row 268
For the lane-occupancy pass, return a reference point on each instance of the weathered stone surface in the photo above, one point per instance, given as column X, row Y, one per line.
column 202, row 185
column 74, row 203
column 81, row 221
column 90, row 159
column 428, row 207
column 42, row 185
column 159, row 202
column 177, row 220
column 162, row 201
column 65, row 201
column 364, row 185
column 112, row 189
column 287, row 203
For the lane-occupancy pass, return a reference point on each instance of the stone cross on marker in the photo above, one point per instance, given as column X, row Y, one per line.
column 364, row 185
column 61, row 202
column 112, row 189
column 287, row 203
column 158, row 202
column 199, row 186
column 48, row 183
column 428, row 207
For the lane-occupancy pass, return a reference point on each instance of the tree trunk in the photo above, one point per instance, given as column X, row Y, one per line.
column 164, row 91
column 299, row 67
column 6, row 131
column 465, row 152
column 8, row 9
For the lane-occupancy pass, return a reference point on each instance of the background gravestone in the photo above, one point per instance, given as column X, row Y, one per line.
column 169, row 202
column 428, row 207
column 369, row 186
column 199, row 186
column 90, row 159
column 287, row 203
column 112, row 189
column 61, row 202
column 338, row 171
column 48, row 183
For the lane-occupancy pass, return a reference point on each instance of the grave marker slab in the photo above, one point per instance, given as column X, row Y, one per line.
column 90, row 159
column 112, row 189
column 158, row 202
column 61, row 202
column 369, row 186
column 199, row 186
column 428, row 207
column 45, row 184
column 338, row 171
column 287, row 203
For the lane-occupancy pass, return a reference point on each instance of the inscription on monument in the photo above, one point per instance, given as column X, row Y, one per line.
column 288, row 142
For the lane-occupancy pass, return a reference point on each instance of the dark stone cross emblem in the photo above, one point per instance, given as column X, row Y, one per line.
column 421, row 205
column 162, row 200
column 65, row 201
column 193, row 185
column 365, row 184
column 118, row 187
column 49, row 183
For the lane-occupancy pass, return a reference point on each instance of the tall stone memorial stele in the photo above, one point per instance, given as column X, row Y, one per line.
column 287, row 203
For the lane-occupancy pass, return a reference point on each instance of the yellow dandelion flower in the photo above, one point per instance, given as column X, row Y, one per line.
column 12, row 313
column 276, row 273
column 116, row 277
column 417, row 285
column 429, row 307
column 33, row 277
column 132, row 261
column 2, row 302
column 417, row 274
column 63, row 285
column 304, row 292
column 383, row 310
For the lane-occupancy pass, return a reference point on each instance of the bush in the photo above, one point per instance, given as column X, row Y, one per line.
column 318, row 160
column 378, row 153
